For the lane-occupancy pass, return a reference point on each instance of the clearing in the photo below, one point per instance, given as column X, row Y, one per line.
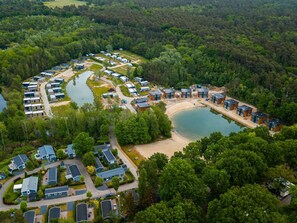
column 62, row 3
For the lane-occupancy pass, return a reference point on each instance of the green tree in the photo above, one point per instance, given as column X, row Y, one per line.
column 83, row 143
column 89, row 194
column 98, row 181
column 178, row 177
column 128, row 205
column 30, row 165
column 89, row 159
column 251, row 203
column 61, row 154
column 23, row 206
column 115, row 183
column 82, row 178
column 40, row 193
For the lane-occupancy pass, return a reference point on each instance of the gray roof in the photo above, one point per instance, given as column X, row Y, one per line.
column 218, row 95
column 54, row 190
column 46, row 150
column 143, row 105
column 70, row 150
column 106, row 208
column 156, row 92
column 259, row 114
column 109, row 156
column 74, row 170
column 140, row 100
column 186, row 90
column 231, row 101
column 98, row 164
column 205, row 90
column 244, row 108
column 52, row 174
column 54, row 213
column 20, row 159
column 29, row 216
column 111, row 173
column 30, row 183
column 168, row 91
column 81, row 212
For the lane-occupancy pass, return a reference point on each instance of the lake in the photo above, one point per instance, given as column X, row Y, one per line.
column 79, row 91
column 3, row 103
column 201, row 122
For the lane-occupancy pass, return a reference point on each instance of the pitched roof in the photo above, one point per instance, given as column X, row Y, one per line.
column 74, row 170
column 54, row 213
column 29, row 216
column 102, row 147
column 106, row 208
column 109, row 156
column 46, row 150
column 52, row 174
column 218, row 95
column 81, row 212
column 30, row 183
column 111, row 173
column 244, row 108
column 20, row 159
column 70, row 150
column 156, row 92
column 98, row 164
column 54, row 190
column 141, row 100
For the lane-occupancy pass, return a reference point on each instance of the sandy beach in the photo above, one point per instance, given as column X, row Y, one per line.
column 176, row 106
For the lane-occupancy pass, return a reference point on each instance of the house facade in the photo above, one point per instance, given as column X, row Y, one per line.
column 56, row 192
column 109, row 174
column 29, row 186
column 230, row 104
column 168, row 93
column 259, row 117
column 18, row 162
column 244, row 111
column 47, row 152
column 202, row 92
column 217, row 98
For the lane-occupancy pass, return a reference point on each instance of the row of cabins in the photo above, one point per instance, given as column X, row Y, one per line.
column 116, row 56
column 246, row 111
column 54, row 214
column 54, row 90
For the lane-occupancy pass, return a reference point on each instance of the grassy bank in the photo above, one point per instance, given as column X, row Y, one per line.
column 133, row 154
column 98, row 89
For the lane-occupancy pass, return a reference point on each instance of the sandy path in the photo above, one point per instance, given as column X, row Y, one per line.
column 59, row 103
column 167, row 146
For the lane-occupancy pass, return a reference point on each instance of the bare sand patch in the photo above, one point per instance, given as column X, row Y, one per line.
column 59, row 103
column 176, row 106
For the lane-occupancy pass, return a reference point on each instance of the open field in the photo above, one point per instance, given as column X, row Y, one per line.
column 95, row 67
column 98, row 88
column 60, row 111
column 62, row 3
column 131, row 56
column 133, row 154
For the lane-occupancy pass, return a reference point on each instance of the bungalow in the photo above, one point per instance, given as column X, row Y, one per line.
column 2, row 176
column 106, row 208
column 230, row 104
column 132, row 91
column 52, row 98
column 31, row 94
column 59, row 80
column 29, row 186
column 70, row 151
column 18, row 162
column 244, row 110
column 130, row 85
column 109, row 174
column 37, row 78
column 52, row 176
column 60, row 95
column 108, row 72
column 217, row 98
column 144, row 89
column 100, row 148
column 144, row 83
column 79, row 67
column 168, row 93
column 124, row 78
column 109, row 157
column 31, row 114
column 73, row 173
column 138, row 79
column 259, row 117
column 140, row 100
column 55, row 84
column 50, row 91
column 33, row 107
column 26, row 84
column 57, row 89
column 33, row 88
column 54, row 213
column 155, row 95
column 116, row 75
column 274, row 125
column 81, row 212
column 98, row 165
column 142, row 106
column 109, row 95
column 17, row 188
column 31, row 100
column 47, row 152
column 56, row 192
column 186, row 93
column 202, row 92
column 29, row 216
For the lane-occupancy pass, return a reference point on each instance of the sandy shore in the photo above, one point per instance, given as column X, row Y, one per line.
column 56, row 104
column 168, row 146
column 176, row 106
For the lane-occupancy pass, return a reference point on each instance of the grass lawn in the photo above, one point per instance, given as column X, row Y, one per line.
column 63, row 207
column 62, row 3
column 125, row 91
column 98, row 89
column 10, row 196
column 78, row 187
column 133, row 154
column 62, row 110
column 95, row 67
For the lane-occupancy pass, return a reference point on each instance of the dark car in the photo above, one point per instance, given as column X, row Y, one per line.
column 110, row 195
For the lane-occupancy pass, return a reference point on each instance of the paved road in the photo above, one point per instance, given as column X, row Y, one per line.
column 89, row 185
column 121, row 95
column 43, row 95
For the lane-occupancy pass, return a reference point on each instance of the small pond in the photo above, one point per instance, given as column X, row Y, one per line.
column 79, row 91
column 201, row 122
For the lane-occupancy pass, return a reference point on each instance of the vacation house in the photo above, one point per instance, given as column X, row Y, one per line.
column 202, row 92
column 142, row 106
column 29, row 186
column 244, row 110
column 81, row 212
column 46, row 152
column 70, row 151
column 168, row 93
column 274, row 125
column 56, row 192
column 109, row 174
column 230, row 104
column 54, row 213
column 217, row 98
column 259, row 117
column 186, row 93
column 106, row 209
column 18, row 162
column 52, row 176
column 109, row 157
column 98, row 165
column 73, row 173
column 155, row 95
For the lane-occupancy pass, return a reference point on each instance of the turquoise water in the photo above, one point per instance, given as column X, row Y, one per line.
column 201, row 122
column 79, row 91
column 3, row 103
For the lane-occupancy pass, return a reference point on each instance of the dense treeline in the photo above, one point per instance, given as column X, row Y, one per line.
column 238, row 180
column 143, row 128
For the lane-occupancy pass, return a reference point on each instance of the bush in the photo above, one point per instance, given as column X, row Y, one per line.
column 98, row 181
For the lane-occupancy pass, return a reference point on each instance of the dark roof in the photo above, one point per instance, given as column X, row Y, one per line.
column 203, row 89
column 244, row 108
column 143, row 105
column 81, row 212
column 106, row 208
column 140, row 100
column 168, row 91
column 111, row 173
column 108, row 155
column 218, row 95
column 98, row 164
column 54, row 213
column 29, row 216
column 104, row 146
column 274, row 122
column 20, row 159
column 74, row 171
column 259, row 114
column 52, row 174
column 56, row 190
column 156, row 92
column 231, row 101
